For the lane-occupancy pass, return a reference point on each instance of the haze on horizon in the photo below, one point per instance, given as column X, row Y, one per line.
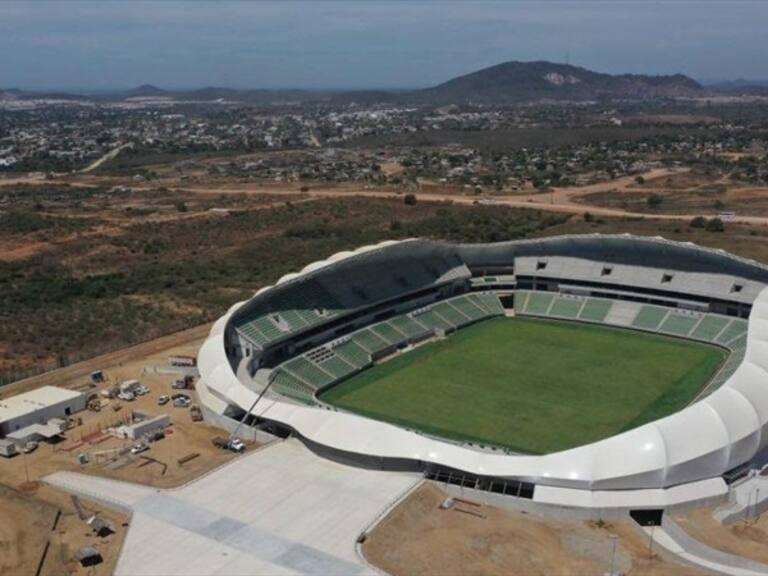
column 375, row 44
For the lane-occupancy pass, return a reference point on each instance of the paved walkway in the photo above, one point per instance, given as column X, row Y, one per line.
column 676, row 541
column 279, row 510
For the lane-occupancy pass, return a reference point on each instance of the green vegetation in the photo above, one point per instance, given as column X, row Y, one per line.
column 532, row 385
column 93, row 293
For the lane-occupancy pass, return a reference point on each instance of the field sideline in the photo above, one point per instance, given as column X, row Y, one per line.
column 533, row 386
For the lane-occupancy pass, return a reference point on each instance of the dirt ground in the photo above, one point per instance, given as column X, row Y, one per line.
column 417, row 537
column 28, row 507
column 748, row 539
column 44, row 531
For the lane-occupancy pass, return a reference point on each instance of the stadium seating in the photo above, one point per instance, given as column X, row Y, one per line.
column 388, row 333
column 595, row 310
column 706, row 327
column 566, row 307
column 539, row 303
column 308, row 302
column 353, row 354
column 696, row 325
column 409, row 327
column 650, row 317
column 308, row 372
column 733, row 331
column 286, row 385
column 300, row 378
column 370, row 341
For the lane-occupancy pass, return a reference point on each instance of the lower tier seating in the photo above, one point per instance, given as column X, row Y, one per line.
column 301, row 377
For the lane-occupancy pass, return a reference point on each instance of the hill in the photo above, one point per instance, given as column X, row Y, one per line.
column 530, row 81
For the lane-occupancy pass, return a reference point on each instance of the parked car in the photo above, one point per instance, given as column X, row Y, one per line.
column 127, row 396
column 182, row 401
column 30, row 446
column 236, row 445
column 141, row 390
column 139, row 448
column 163, row 400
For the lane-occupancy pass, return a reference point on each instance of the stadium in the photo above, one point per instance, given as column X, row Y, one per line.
column 595, row 371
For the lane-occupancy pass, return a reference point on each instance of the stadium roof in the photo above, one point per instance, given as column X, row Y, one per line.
column 697, row 444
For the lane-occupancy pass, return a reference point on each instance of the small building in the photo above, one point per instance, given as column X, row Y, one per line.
column 38, row 407
column 139, row 429
column 7, row 448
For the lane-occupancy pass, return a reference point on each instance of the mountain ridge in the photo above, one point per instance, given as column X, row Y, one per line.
column 511, row 82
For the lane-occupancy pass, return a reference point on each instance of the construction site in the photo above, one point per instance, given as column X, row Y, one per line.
column 135, row 417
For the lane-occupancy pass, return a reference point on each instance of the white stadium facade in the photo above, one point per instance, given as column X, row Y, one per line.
column 266, row 358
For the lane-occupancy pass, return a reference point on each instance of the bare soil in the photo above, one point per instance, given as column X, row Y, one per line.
column 28, row 507
column 748, row 539
column 417, row 537
column 44, row 531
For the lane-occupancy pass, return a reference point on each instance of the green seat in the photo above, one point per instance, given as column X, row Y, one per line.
column 595, row 310
column 649, row 317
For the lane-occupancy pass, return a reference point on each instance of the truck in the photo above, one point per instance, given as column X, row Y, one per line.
column 233, row 444
column 181, row 360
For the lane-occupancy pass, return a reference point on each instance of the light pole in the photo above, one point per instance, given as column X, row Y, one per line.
column 650, row 543
column 613, row 538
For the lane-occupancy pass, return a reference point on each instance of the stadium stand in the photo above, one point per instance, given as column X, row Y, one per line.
column 566, row 307
column 650, row 317
column 595, row 310
column 300, row 378
column 305, row 303
column 489, row 302
column 706, row 327
column 388, row 333
column 288, row 386
column 353, row 354
column 539, row 303
column 680, row 324
column 370, row 341
column 307, row 371
column 410, row 327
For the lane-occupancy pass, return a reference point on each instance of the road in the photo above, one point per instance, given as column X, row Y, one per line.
column 559, row 199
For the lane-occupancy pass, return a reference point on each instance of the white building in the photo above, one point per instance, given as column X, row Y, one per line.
column 38, row 407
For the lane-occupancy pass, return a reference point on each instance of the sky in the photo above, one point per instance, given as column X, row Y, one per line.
column 315, row 44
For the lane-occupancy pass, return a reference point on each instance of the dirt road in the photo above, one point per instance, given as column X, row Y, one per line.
column 562, row 199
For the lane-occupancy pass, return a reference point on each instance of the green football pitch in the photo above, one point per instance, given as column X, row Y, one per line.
column 534, row 386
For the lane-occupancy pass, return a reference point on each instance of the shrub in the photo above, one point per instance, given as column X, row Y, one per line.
column 654, row 200
column 715, row 225
column 409, row 199
column 698, row 222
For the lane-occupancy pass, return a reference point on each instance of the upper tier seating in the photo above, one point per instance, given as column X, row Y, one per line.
column 305, row 302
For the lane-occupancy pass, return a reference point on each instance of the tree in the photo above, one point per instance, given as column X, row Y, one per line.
column 640, row 180
column 654, row 200
column 409, row 199
column 698, row 222
column 715, row 225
